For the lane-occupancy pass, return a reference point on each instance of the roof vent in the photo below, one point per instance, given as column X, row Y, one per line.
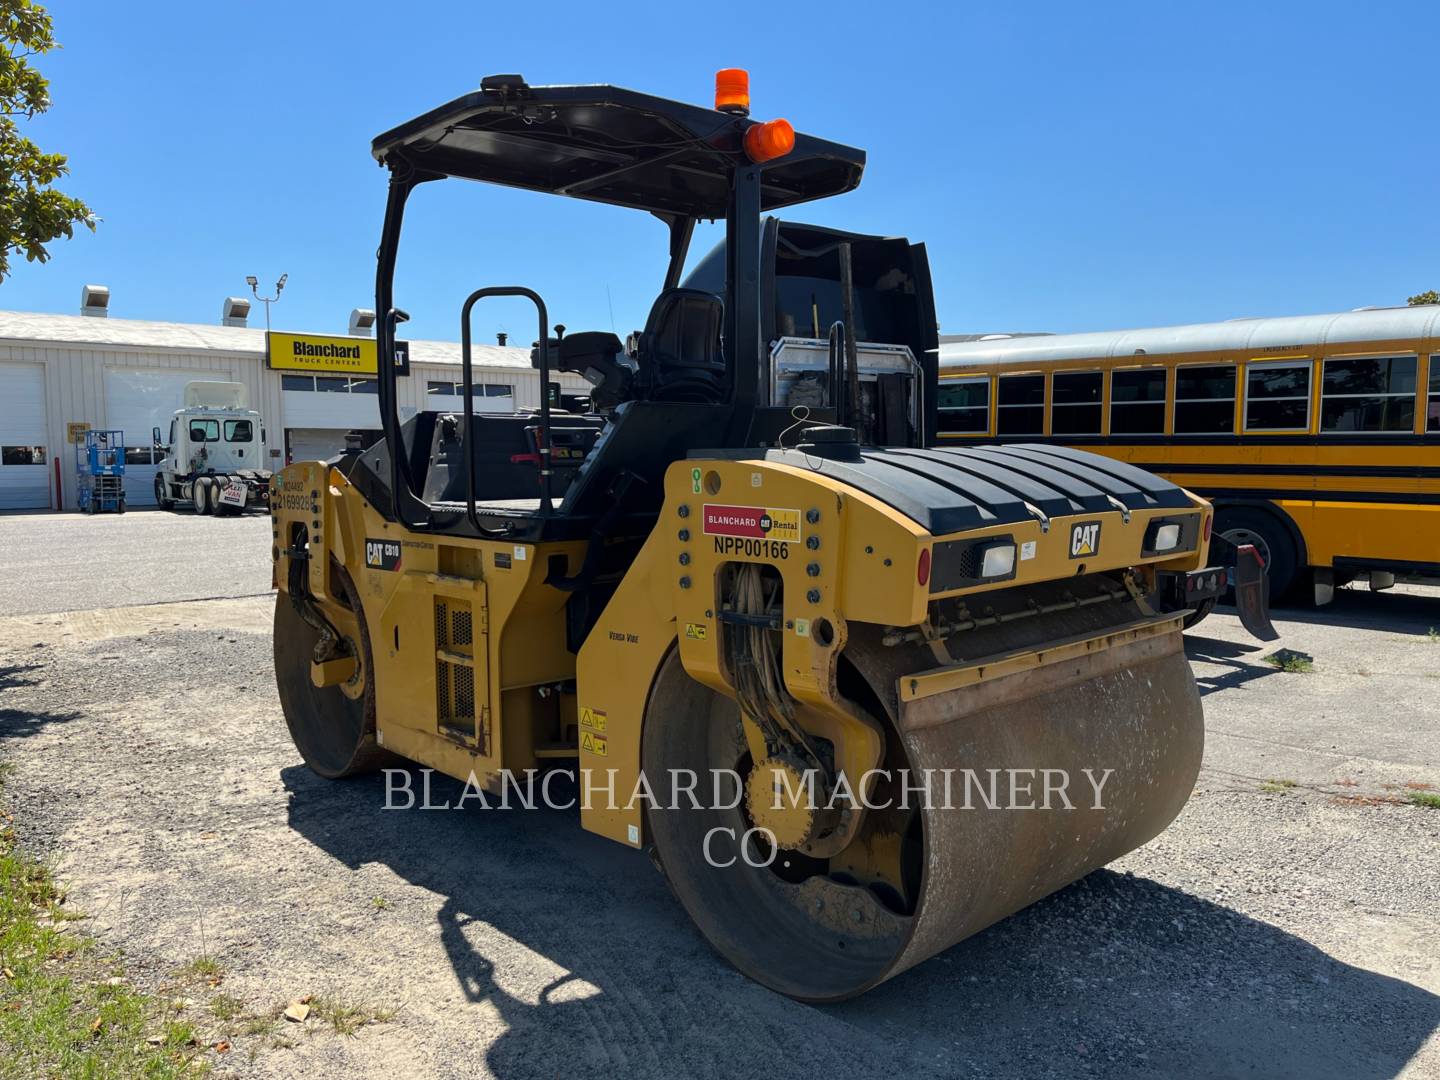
column 362, row 322
column 95, row 300
column 234, row 311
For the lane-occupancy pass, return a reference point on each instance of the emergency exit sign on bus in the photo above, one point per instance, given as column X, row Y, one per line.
column 320, row 353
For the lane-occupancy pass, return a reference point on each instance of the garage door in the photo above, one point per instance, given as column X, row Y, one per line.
column 137, row 400
column 314, row 444
column 25, row 467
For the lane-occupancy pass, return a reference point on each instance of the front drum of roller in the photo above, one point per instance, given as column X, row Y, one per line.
column 802, row 929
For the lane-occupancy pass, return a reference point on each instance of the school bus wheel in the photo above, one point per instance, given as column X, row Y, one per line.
column 1246, row 525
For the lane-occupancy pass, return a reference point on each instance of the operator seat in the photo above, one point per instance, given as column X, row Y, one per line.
column 679, row 349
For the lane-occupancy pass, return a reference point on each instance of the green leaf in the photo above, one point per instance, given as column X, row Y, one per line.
column 32, row 212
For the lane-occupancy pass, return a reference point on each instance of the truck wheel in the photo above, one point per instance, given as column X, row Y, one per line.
column 161, row 499
column 200, row 495
column 222, row 509
column 1245, row 525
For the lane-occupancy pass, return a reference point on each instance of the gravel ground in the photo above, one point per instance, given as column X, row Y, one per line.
column 1286, row 925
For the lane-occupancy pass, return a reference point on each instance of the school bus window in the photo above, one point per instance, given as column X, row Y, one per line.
column 1277, row 396
column 1432, row 414
column 1368, row 394
column 1075, row 402
column 1020, row 405
column 1137, row 401
column 964, row 406
column 1205, row 399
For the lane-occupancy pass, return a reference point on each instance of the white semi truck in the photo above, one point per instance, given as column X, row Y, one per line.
column 215, row 455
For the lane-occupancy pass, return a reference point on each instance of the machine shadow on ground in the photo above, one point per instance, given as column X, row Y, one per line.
column 21, row 723
column 1242, row 662
column 1361, row 609
column 1115, row 975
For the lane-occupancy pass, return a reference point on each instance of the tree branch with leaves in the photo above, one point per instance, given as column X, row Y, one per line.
column 32, row 212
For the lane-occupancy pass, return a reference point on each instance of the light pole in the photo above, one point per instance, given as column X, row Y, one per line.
column 254, row 284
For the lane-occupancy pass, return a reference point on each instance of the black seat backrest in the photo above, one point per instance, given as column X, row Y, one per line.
column 679, row 349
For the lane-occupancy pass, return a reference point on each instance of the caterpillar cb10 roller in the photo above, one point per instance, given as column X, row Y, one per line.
column 858, row 697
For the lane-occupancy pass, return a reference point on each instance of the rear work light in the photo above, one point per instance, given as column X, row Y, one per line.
column 998, row 561
column 963, row 564
column 1167, row 537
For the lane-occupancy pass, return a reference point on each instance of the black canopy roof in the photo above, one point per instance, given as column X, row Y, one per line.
column 611, row 145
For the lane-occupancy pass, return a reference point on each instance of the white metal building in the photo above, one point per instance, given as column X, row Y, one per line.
column 58, row 372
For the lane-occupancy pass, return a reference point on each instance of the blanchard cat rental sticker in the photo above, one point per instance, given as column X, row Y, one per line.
column 752, row 530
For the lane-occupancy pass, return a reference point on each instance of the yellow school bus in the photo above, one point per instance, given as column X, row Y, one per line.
column 1317, row 437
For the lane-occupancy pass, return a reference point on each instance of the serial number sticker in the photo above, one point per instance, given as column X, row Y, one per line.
column 593, row 744
column 519, row 553
column 695, row 630
column 753, row 522
column 1027, row 550
column 594, row 719
column 754, row 549
column 382, row 554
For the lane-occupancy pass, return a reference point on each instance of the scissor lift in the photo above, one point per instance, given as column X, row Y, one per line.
column 100, row 472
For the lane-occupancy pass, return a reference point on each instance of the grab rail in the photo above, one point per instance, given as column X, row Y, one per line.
column 543, row 448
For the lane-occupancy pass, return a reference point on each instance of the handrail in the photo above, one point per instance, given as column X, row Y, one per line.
column 546, row 506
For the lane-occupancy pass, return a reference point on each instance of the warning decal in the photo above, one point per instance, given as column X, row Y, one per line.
column 593, row 744
column 757, row 522
column 594, row 719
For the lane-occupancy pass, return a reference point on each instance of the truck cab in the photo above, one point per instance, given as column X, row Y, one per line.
column 215, row 452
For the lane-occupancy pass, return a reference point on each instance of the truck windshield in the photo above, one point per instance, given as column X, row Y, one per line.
column 204, row 431
column 239, row 431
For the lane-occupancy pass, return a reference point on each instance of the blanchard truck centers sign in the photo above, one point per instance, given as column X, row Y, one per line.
column 322, row 354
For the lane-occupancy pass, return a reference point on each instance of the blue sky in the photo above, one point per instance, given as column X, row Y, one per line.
column 1070, row 166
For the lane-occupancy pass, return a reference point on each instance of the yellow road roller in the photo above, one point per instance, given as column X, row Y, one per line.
column 859, row 697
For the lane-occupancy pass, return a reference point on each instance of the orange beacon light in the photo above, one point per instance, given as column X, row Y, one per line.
column 732, row 91
column 768, row 141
